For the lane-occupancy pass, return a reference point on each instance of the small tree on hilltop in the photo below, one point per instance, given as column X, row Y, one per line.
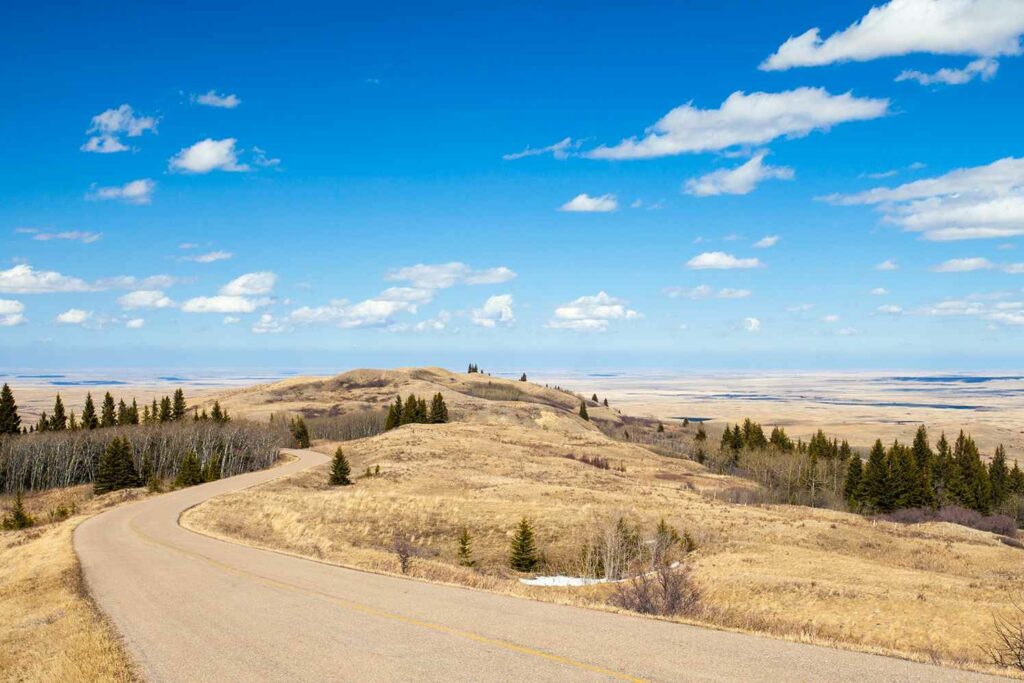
column 583, row 411
column 59, row 420
column 523, row 556
column 340, row 469
column 178, row 405
column 466, row 549
column 438, row 410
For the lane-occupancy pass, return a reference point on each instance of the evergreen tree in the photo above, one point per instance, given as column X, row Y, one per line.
column 217, row 414
column 178, row 405
column 59, row 419
column 523, row 378
column 583, row 411
column 438, row 410
column 661, row 428
column 410, row 410
column 10, row 421
column 340, row 469
column 594, row 398
column 523, row 556
column 726, row 443
column 43, row 425
column 852, row 486
column 875, row 488
column 999, row 477
column 123, row 416
column 108, row 414
column 701, row 436
column 946, row 477
column 904, row 479
column 1015, row 482
column 466, row 548
column 146, row 474
column 127, row 475
column 394, row 418
column 166, row 413
column 116, row 469
column 736, row 439
column 133, row 413
column 154, row 411
column 605, row 402
column 212, row 468
column 19, row 518
column 421, row 410
column 190, row 473
column 89, row 420
column 300, row 432
column 976, row 491
column 146, row 419
column 72, row 422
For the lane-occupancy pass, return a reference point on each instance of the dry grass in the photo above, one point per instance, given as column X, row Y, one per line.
column 49, row 628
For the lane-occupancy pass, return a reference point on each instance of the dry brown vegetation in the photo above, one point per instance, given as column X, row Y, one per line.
column 49, row 628
column 926, row 592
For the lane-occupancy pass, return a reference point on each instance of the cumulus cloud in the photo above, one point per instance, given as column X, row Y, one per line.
column 435, row 324
column 250, row 284
column 719, row 260
column 11, row 313
column 984, row 68
column 268, row 324
column 743, row 119
column 135, row 324
column 23, row 279
column 67, row 235
column 706, row 292
column 559, row 150
column 879, row 291
column 208, row 155
column 134, row 192
column 213, row 99
column 592, row 313
column 888, row 264
column 1001, row 312
column 963, row 265
column 73, row 316
column 584, row 203
column 890, row 309
column 145, row 298
column 767, row 241
column 986, row 28
column 752, row 324
column 497, row 310
column 739, row 180
column 223, row 304
column 445, row 275
column 209, row 257
column 967, row 203
column 107, row 128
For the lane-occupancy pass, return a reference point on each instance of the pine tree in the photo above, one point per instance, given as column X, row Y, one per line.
column 217, row 414
column 59, row 419
column 72, row 421
column 166, row 413
column 726, row 442
column 438, row 410
column 736, row 439
column 875, row 488
column 146, row 419
column 43, row 425
column 178, row 406
column 421, row 410
column 123, row 417
column 904, row 479
column 1015, row 482
column 212, row 468
column 852, row 486
column 523, row 556
column 300, row 432
column 523, row 378
column 394, row 418
column 133, row 413
column 146, row 474
column 605, row 402
column 661, row 428
column 190, row 473
column 340, row 469
column 154, row 411
column 583, row 411
column 10, row 421
column 108, row 469
column 127, row 475
column 999, row 477
column 19, row 518
column 410, row 410
column 594, row 398
column 976, row 490
column 89, row 420
column 108, row 413
column 466, row 548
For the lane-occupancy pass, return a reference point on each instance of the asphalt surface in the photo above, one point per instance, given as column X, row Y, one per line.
column 193, row 608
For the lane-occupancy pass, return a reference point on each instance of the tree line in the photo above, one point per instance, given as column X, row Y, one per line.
column 414, row 410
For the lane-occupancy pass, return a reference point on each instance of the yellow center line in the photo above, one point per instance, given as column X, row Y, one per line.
column 373, row 611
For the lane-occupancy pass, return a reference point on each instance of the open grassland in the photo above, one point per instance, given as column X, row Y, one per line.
column 49, row 629
column 925, row 592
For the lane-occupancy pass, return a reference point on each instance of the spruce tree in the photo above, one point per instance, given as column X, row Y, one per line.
column 190, row 473
column 583, row 411
column 438, row 410
column 72, row 421
column 108, row 413
column 178, row 406
column 89, row 420
column 875, row 489
column 394, row 418
column 43, row 425
column 19, row 518
column 999, row 477
column 340, row 469
column 523, row 378
column 904, row 480
column 127, row 476
column 300, row 432
column 594, row 398
column 466, row 547
column 154, row 411
column 10, row 421
column 421, row 410
column 108, row 468
column 59, row 419
column 410, row 410
column 1015, row 482
column 852, row 486
column 146, row 473
column 661, row 428
column 123, row 417
column 166, row 413
column 216, row 414
column 523, row 556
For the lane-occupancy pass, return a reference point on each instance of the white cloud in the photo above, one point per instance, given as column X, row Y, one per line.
column 209, row 257
column 743, row 119
column 559, row 150
column 592, row 313
column 145, row 298
column 707, row 292
column 847, row 331
column 23, row 279
column 135, row 324
column 888, row 264
column 111, row 125
column 73, row 316
column 800, row 308
column 223, row 304
column 830, row 318
column 232, row 320
column 497, row 310
column 11, row 313
column 134, row 192
column 890, row 309
column 251, row 283
column 208, row 155
column 739, row 180
column 262, row 159
column 435, row 324
column 720, row 260
column 767, row 241
column 963, row 265
column 985, row 28
column 1014, row 268
column 985, row 68
column 879, row 291
column 1003, row 312
column 214, row 99
column 68, row 235
column 967, row 203
column 268, row 324
column 752, row 324
column 584, row 203
column 445, row 275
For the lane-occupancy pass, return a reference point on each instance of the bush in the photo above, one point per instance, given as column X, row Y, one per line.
column 667, row 591
column 18, row 518
column 1007, row 647
column 996, row 524
column 355, row 425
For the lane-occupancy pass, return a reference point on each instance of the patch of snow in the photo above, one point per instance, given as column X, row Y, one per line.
column 571, row 581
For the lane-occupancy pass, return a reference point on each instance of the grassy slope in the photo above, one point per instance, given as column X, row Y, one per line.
column 925, row 592
column 48, row 626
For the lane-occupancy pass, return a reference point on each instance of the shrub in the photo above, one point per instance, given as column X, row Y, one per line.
column 355, row 425
column 18, row 517
column 667, row 591
column 404, row 550
column 1007, row 647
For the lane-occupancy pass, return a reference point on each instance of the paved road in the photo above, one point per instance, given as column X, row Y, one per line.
column 192, row 608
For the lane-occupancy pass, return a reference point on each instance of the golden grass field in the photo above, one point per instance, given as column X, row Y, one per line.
column 924, row 592
column 49, row 629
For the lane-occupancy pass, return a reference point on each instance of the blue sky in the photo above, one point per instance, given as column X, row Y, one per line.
column 310, row 185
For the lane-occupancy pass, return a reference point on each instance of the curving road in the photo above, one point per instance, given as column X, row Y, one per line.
column 193, row 608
